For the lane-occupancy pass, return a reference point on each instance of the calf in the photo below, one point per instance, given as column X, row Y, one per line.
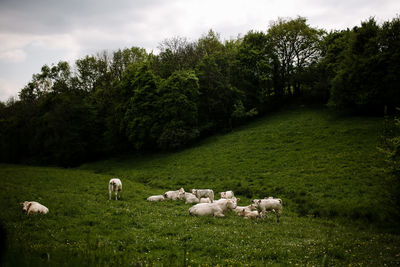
column 115, row 186
column 204, row 193
column 32, row 207
column 249, row 214
column 216, row 209
column 250, row 207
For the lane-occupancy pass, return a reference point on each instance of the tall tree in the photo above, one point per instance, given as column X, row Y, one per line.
column 255, row 71
column 296, row 45
column 179, row 111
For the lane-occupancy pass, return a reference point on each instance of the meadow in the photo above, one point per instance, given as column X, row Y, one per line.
column 337, row 197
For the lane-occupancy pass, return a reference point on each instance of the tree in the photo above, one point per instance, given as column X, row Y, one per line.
column 389, row 58
column 179, row 112
column 364, row 71
column 124, row 58
column 296, row 46
column 176, row 53
column 140, row 122
column 217, row 95
column 255, row 70
column 89, row 71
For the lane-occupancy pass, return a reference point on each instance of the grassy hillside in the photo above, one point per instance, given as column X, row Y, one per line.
column 325, row 168
column 319, row 163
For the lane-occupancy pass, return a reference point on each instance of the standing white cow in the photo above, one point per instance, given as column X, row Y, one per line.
column 199, row 193
column 216, row 209
column 269, row 204
column 227, row 194
column 115, row 186
column 32, row 207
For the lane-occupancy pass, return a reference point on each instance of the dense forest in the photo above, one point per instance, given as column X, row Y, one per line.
column 130, row 100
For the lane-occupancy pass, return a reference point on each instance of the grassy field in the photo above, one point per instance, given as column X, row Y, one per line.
column 324, row 167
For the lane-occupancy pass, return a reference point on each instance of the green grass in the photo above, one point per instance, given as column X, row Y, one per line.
column 325, row 168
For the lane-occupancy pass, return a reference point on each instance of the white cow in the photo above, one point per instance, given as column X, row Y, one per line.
column 32, row 207
column 227, row 194
column 249, row 214
column 250, row 207
column 174, row 195
column 269, row 204
column 156, row 198
column 204, row 193
column 190, row 198
column 216, row 209
column 115, row 186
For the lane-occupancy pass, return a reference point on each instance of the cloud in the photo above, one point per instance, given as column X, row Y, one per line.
column 8, row 89
column 39, row 32
column 15, row 55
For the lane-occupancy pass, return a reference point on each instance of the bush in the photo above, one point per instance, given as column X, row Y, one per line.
column 173, row 138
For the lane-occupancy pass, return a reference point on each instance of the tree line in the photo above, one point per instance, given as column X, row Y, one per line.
column 131, row 100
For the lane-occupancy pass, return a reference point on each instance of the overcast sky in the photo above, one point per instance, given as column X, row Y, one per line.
column 38, row 32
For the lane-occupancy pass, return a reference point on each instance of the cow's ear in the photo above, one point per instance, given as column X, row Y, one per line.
column 238, row 199
column 259, row 201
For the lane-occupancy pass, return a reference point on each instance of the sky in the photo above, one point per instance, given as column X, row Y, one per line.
column 38, row 32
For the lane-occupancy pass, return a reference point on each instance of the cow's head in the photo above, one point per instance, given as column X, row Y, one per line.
column 231, row 204
column 26, row 205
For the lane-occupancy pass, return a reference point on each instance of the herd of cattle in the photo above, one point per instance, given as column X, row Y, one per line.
column 203, row 198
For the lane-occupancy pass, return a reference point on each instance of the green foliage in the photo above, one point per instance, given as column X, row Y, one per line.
column 365, row 77
column 255, row 69
column 390, row 146
column 179, row 111
column 296, row 46
column 140, row 120
column 217, row 95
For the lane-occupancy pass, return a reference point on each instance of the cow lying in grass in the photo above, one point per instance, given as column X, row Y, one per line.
column 249, row 214
column 250, row 207
column 190, row 198
column 115, row 186
column 32, row 207
column 269, row 204
column 155, row 198
column 174, row 195
column 216, row 209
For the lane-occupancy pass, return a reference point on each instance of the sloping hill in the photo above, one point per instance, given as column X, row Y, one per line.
column 319, row 163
